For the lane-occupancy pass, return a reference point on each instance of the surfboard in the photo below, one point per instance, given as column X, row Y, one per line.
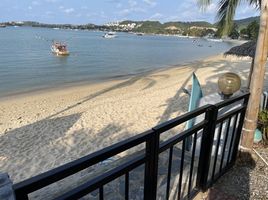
column 195, row 96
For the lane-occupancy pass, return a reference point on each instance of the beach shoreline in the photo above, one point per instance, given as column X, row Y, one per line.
column 108, row 80
column 40, row 131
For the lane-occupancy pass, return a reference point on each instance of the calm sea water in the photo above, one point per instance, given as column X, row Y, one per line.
column 26, row 62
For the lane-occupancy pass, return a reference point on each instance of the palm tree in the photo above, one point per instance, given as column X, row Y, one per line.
column 226, row 13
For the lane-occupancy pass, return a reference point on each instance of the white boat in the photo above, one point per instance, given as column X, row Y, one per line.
column 59, row 49
column 214, row 40
column 109, row 35
column 140, row 34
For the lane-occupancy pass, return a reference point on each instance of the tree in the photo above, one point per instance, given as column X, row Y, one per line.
column 234, row 34
column 251, row 32
column 226, row 15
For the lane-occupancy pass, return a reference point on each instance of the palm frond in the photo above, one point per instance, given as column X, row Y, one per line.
column 255, row 3
column 226, row 14
column 226, row 11
column 203, row 4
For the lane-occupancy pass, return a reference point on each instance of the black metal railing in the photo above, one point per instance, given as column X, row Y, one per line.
column 215, row 134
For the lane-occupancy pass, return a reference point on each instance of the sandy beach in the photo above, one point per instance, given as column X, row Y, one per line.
column 39, row 131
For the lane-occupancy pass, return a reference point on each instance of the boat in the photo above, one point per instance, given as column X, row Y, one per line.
column 59, row 49
column 109, row 35
column 214, row 40
column 140, row 34
column 2, row 25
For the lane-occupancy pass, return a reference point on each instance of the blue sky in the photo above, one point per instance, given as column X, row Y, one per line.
column 102, row 11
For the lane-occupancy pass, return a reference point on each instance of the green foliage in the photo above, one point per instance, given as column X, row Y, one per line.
column 234, row 34
column 243, row 23
column 251, row 32
column 226, row 12
column 151, row 27
column 185, row 28
column 263, row 117
column 198, row 32
column 263, row 124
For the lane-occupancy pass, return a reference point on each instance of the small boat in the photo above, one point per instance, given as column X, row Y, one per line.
column 109, row 35
column 59, row 49
column 2, row 25
column 140, row 34
column 214, row 40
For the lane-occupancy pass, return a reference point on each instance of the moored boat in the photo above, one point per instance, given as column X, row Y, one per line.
column 214, row 40
column 109, row 35
column 59, row 49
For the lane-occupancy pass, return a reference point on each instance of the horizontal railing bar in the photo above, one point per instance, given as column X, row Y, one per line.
column 230, row 114
column 103, row 179
column 73, row 167
column 179, row 120
column 178, row 138
column 35, row 183
column 232, row 100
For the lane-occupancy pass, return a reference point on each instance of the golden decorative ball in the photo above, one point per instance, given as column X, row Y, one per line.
column 229, row 83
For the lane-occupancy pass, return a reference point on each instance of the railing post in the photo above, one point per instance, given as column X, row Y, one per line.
column 151, row 167
column 239, row 131
column 206, row 147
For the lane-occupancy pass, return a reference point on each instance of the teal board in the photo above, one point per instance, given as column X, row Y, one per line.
column 196, row 95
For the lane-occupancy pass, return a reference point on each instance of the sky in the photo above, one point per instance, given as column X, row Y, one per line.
column 103, row 11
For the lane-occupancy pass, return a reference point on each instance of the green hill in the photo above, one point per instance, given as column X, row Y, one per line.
column 243, row 23
column 165, row 28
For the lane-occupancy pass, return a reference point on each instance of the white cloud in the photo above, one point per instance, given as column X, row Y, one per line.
column 69, row 10
column 52, row 1
column 132, row 3
column 128, row 11
column 30, row 7
column 119, row 5
column 246, row 11
column 212, row 8
column 36, row 3
column 132, row 7
column 150, row 2
column 49, row 13
column 156, row 16
column 84, row 7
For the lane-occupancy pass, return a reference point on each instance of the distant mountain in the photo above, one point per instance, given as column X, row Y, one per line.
column 243, row 23
column 157, row 27
column 195, row 28
column 189, row 24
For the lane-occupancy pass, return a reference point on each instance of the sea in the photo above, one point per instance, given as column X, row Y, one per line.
column 27, row 63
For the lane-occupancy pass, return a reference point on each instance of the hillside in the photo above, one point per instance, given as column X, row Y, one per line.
column 195, row 28
column 164, row 28
column 243, row 23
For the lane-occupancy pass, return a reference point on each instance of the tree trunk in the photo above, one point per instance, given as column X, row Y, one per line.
column 250, row 74
column 257, row 80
